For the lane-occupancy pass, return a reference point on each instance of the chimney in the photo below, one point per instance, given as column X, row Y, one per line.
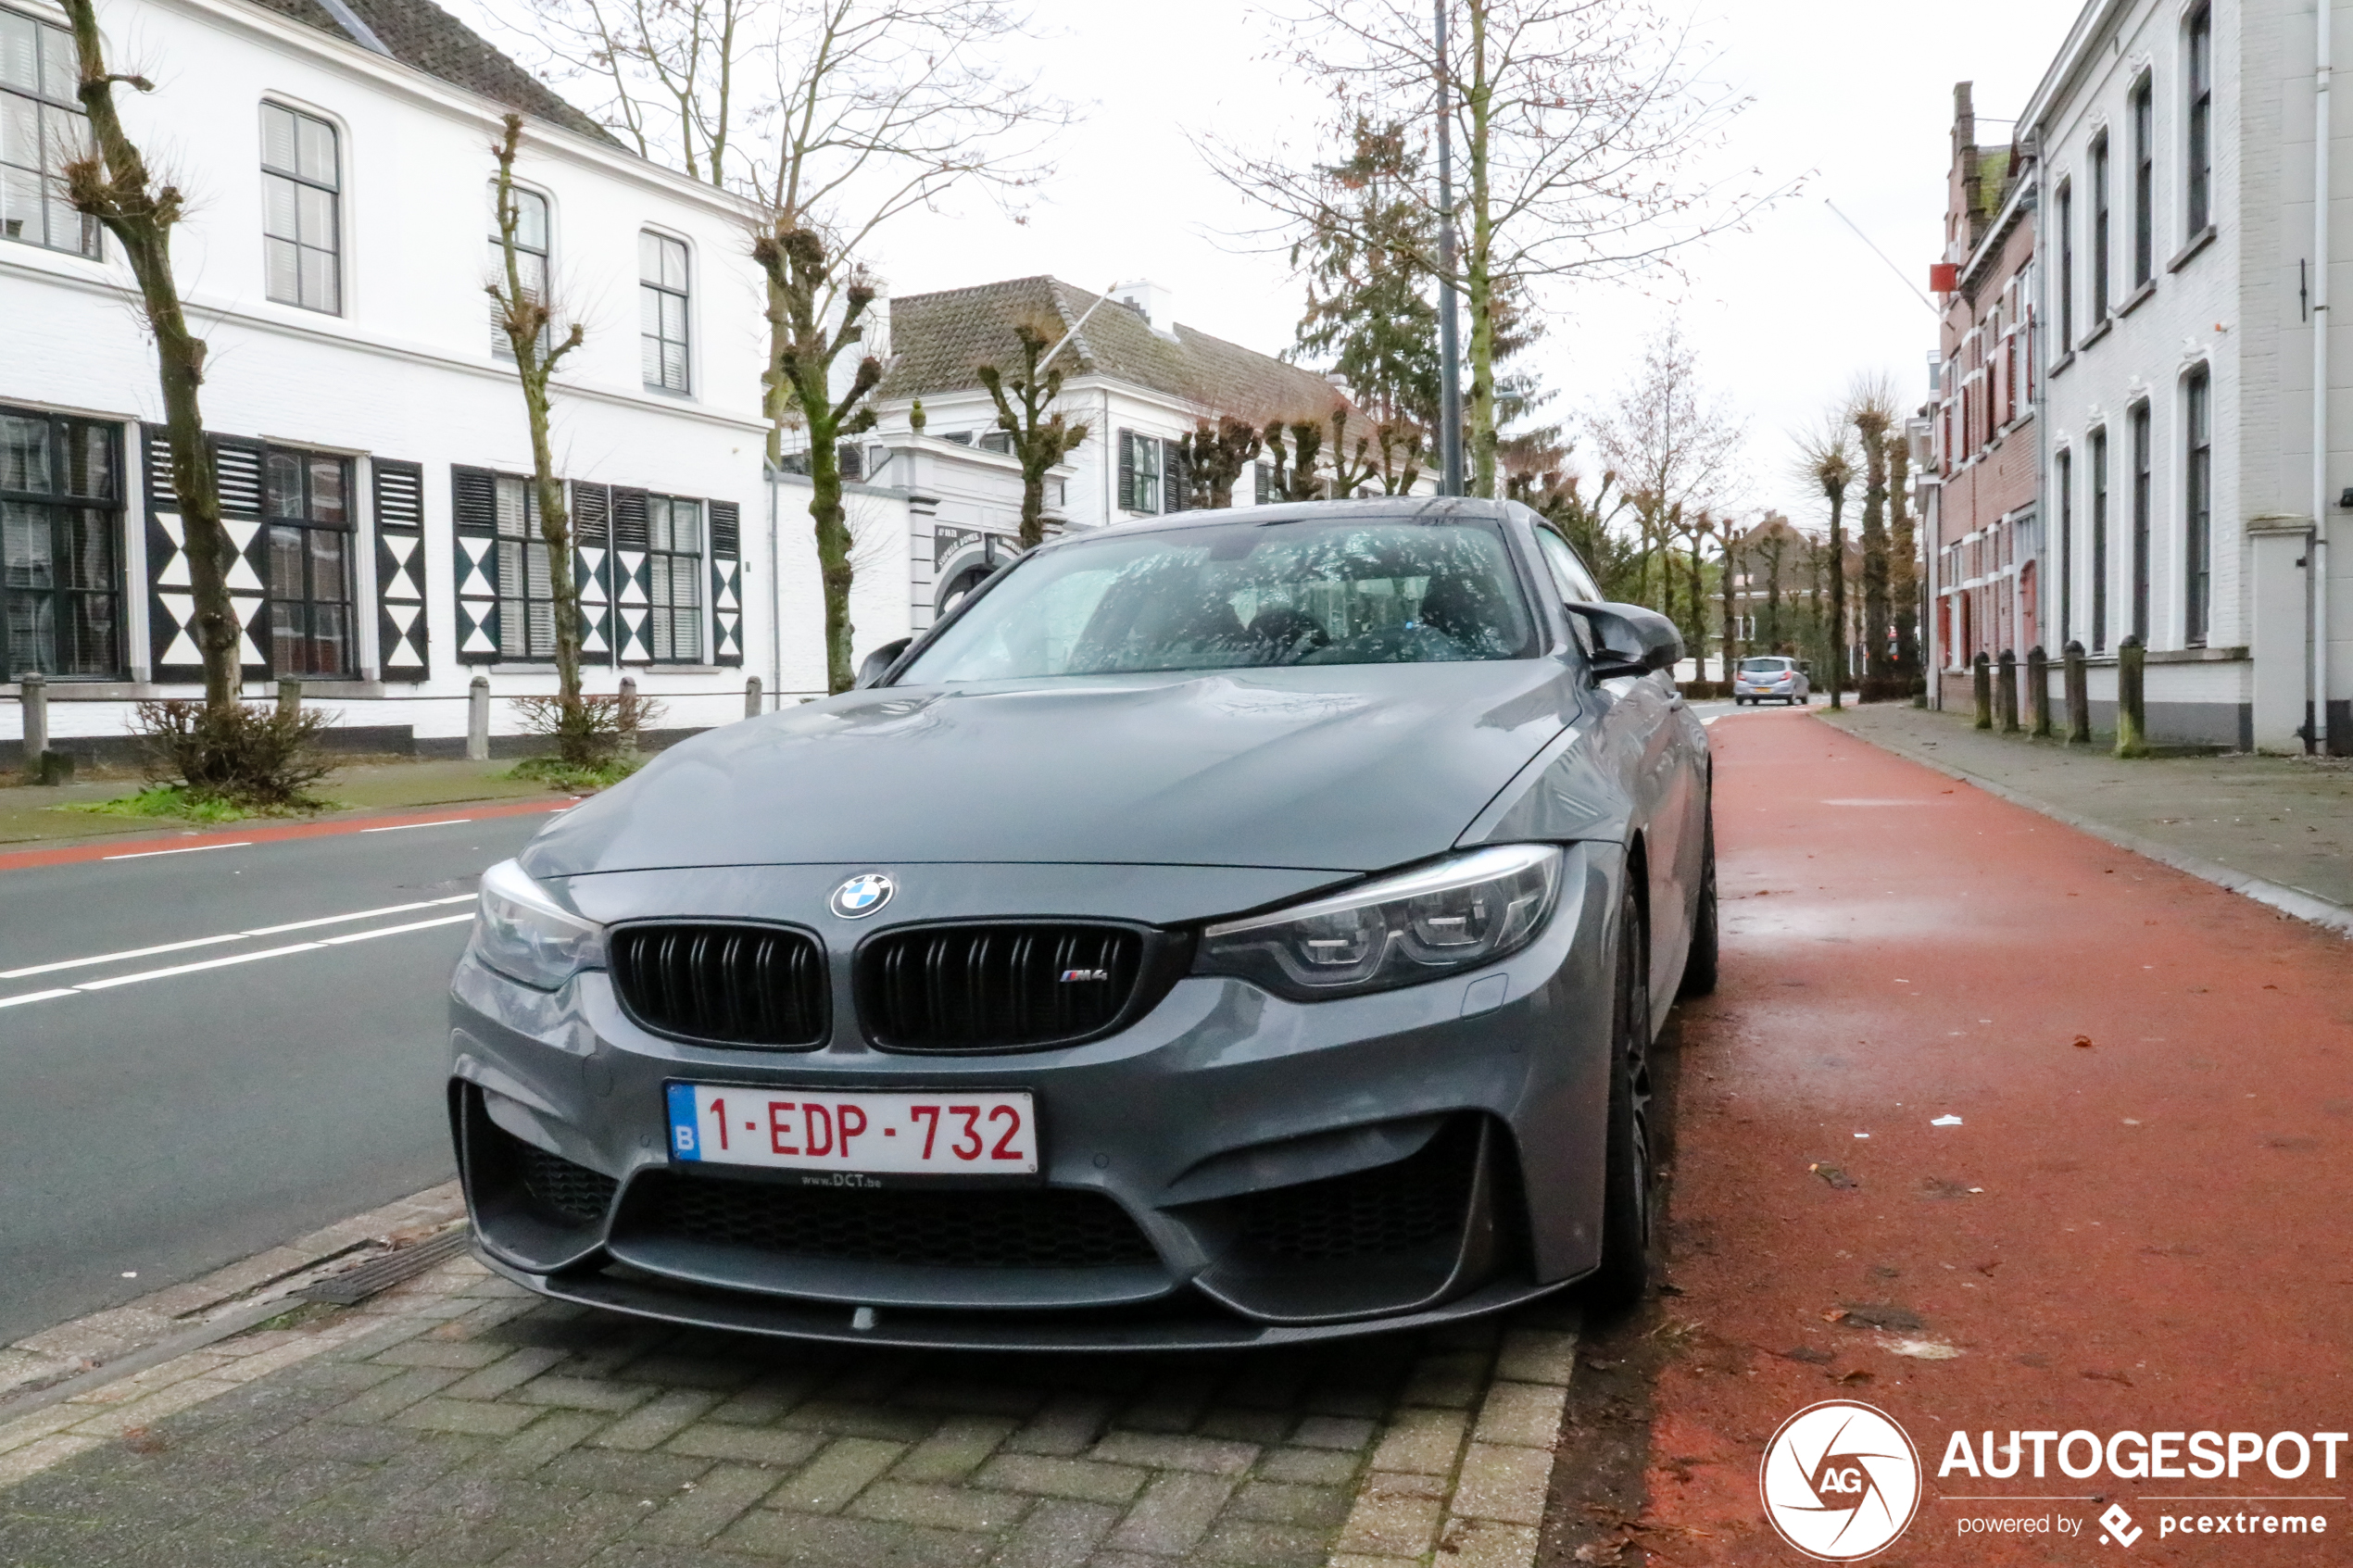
column 1148, row 300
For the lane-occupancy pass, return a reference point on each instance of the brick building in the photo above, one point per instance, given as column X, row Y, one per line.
column 1980, row 535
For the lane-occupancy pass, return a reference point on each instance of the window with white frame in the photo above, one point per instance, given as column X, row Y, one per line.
column 2199, row 181
column 531, row 260
column 661, row 309
column 674, row 579
column 302, row 196
column 42, row 129
column 1140, row 472
column 526, row 585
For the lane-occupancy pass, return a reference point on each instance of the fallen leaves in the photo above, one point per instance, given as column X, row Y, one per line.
column 2084, row 1042
column 1833, row 1176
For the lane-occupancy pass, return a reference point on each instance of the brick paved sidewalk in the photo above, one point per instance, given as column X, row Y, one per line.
column 457, row 1420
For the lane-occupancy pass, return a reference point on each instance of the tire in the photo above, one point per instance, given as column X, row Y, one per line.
column 1699, row 969
column 1624, row 1275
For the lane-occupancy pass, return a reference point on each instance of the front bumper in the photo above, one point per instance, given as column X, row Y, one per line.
column 1248, row 1171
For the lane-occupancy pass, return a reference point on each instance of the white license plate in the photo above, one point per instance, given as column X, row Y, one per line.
column 955, row 1134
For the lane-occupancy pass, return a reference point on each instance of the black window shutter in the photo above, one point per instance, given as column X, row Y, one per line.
column 591, row 569
column 630, row 577
column 1178, row 477
column 238, row 466
column 402, row 652
column 160, row 495
column 474, row 514
column 1127, row 471
column 726, row 583
column 628, row 518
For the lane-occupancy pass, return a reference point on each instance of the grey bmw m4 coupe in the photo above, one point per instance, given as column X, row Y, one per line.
column 1232, row 929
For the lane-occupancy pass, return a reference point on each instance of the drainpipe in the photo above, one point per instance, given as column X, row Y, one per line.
column 775, row 598
column 2317, row 730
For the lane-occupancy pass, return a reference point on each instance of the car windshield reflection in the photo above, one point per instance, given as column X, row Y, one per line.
column 1243, row 595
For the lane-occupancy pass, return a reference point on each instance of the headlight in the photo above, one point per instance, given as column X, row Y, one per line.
column 1456, row 914
column 522, row 932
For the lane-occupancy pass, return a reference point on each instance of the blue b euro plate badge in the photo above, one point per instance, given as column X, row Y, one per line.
column 684, row 1144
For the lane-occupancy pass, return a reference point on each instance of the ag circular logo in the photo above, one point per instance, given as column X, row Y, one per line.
column 1841, row 1480
column 862, row 896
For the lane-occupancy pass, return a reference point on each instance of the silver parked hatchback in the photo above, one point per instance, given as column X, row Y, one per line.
column 1236, row 928
column 1770, row 677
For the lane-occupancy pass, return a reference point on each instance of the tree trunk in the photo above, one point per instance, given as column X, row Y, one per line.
column 1731, row 618
column 526, row 321
column 1699, row 616
column 1904, row 574
column 834, row 568
column 1838, row 596
column 114, row 187
column 1875, row 606
column 1479, row 282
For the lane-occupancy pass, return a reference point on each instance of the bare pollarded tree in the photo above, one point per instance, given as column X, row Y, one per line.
column 1041, row 436
column 1825, row 461
column 111, row 182
column 1582, row 127
column 522, row 308
column 833, row 118
column 1674, row 447
column 1870, row 408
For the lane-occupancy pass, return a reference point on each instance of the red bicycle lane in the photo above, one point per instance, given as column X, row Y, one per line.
column 2135, row 1225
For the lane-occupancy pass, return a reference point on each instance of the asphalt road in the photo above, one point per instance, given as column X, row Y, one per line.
column 167, row 1125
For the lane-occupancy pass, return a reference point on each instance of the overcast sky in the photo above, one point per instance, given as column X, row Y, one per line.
column 1853, row 94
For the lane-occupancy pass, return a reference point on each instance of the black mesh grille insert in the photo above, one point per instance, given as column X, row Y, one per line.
column 737, row 984
column 574, row 1191
column 1388, row 1210
column 1028, row 1228
column 988, row 988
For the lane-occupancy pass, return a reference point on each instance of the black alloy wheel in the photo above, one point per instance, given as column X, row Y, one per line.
column 1624, row 1275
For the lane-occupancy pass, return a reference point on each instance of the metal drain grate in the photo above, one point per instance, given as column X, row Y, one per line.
column 355, row 1285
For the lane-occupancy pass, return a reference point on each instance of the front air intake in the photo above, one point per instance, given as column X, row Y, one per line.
column 987, row 987
column 729, row 984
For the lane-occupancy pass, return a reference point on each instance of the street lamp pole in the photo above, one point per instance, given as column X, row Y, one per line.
column 1450, row 378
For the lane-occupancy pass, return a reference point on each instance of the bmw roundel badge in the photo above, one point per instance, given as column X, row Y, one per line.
column 862, row 896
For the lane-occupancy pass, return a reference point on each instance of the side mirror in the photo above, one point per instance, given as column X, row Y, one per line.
column 1629, row 639
column 875, row 665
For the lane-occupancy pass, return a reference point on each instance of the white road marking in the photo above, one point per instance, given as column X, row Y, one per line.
column 191, row 849
column 363, row 914
column 397, row 930
column 192, row 968
column 233, row 936
column 404, row 827
column 320, row 947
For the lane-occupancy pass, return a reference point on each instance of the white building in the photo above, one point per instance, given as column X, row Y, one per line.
column 1137, row 377
column 371, row 439
column 2183, row 310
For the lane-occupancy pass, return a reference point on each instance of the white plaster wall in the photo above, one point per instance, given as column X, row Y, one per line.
column 407, row 370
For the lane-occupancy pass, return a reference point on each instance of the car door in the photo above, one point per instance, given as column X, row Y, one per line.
column 1650, row 732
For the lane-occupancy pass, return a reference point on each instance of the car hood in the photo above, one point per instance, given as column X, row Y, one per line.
column 1346, row 768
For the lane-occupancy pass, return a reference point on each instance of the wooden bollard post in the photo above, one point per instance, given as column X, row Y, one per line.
column 2079, row 698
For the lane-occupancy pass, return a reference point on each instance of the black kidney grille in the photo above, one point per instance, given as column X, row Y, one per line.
column 574, row 1191
column 1028, row 1228
column 987, row 987
column 737, row 984
column 1390, row 1208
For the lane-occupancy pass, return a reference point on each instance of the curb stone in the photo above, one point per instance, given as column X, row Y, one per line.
column 88, row 1353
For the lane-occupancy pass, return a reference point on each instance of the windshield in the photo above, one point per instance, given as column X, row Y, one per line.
column 1240, row 595
column 1762, row 666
